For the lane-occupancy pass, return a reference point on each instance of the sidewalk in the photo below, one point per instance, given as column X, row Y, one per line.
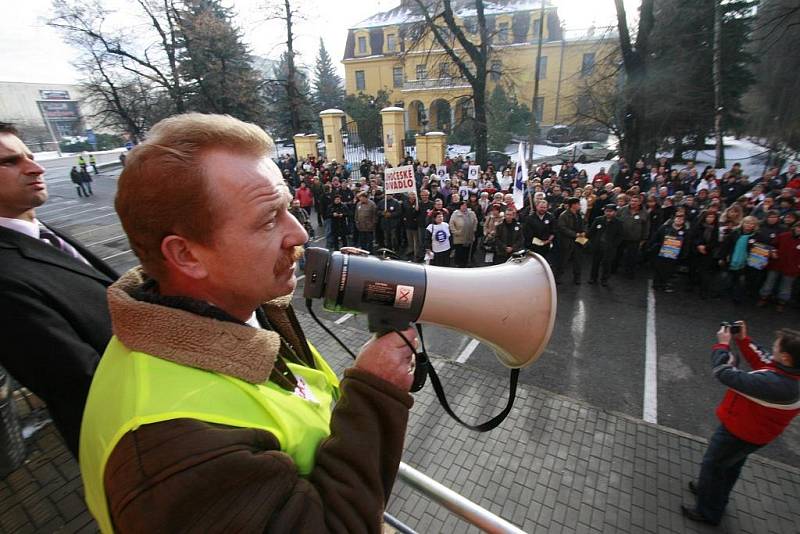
column 555, row 465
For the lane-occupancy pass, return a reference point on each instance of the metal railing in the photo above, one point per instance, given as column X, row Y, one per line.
column 457, row 504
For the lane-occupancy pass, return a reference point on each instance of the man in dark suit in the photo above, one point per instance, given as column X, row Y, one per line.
column 53, row 313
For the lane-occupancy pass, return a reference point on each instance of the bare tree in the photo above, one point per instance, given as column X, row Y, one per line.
column 772, row 104
column 471, row 58
column 717, row 73
column 534, row 128
column 634, row 62
column 115, row 103
column 285, row 11
column 82, row 23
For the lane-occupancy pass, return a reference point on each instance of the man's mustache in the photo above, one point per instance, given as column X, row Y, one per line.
column 286, row 261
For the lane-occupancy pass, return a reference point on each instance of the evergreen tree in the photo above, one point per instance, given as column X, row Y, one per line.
column 506, row 117
column 279, row 118
column 773, row 103
column 328, row 87
column 365, row 110
column 680, row 83
column 216, row 63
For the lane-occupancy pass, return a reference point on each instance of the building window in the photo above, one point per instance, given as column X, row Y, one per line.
column 362, row 45
column 496, row 70
column 422, row 72
column 584, row 105
column 444, row 69
column 537, row 24
column 471, row 24
column 543, row 67
column 391, row 42
column 538, row 109
column 502, row 32
column 397, row 76
column 361, row 83
column 587, row 66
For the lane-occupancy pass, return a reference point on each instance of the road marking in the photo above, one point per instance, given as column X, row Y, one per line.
column 104, row 241
column 58, row 207
column 98, row 217
column 300, row 277
column 117, row 254
column 650, row 404
column 67, row 216
column 104, row 227
column 343, row 318
column 468, row 350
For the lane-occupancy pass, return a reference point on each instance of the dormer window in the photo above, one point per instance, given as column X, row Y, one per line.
column 391, row 43
column 362, row 45
column 502, row 34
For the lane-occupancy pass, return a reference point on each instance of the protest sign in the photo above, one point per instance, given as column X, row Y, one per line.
column 759, row 256
column 400, row 180
column 441, row 172
column 671, row 248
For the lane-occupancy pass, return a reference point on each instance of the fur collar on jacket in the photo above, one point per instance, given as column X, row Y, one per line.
column 217, row 344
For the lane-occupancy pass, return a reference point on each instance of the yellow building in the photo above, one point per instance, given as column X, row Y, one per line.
column 380, row 54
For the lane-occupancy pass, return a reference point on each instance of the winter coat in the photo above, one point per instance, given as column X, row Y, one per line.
column 788, row 247
column 463, row 226
column 667, row 230
column 605, row 235
column 635, row 226
column 508, row 235
column 366, row 216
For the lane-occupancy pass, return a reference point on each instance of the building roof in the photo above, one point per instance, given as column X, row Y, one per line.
column 591, row 33
column 407, row 11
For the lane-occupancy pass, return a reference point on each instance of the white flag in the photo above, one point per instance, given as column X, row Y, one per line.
column 519, row 179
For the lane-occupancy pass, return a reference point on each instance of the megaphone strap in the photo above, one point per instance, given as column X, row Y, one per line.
column 437, row 387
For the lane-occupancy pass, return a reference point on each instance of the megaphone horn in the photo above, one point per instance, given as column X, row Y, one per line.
column 517, row 299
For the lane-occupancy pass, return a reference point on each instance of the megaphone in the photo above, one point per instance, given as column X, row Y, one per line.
column 509, row 307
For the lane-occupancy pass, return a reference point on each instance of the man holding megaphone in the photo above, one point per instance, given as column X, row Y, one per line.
column 209, row 409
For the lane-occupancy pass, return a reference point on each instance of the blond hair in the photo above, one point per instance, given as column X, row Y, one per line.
column 164, row 189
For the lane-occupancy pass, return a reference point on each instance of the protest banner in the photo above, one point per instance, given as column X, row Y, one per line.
column 474, row 172
column 400, row 180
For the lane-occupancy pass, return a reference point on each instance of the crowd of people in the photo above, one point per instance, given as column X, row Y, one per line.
column 728, row 234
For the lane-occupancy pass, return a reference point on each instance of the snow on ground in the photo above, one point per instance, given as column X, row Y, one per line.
column 52, row 154
column 751, row 155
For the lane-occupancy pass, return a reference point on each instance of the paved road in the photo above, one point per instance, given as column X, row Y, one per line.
column 58, row 169
column 598, row 351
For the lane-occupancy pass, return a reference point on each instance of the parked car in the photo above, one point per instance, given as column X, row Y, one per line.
column 584, row 151
column 498, row 159
column 559, row 135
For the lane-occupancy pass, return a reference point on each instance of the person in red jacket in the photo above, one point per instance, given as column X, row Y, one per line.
column 306, row 197
column 757, row 407
column 787, row 268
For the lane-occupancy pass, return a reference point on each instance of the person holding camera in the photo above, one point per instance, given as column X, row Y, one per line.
column 756, row 409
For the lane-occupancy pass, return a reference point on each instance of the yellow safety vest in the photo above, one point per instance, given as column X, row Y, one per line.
column 131, row 389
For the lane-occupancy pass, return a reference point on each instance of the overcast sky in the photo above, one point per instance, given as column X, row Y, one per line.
column 30, row 51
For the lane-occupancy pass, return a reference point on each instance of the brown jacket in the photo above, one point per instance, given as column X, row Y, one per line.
column 186, row 475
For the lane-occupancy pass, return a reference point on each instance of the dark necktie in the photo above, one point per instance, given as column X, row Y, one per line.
column 52, row 239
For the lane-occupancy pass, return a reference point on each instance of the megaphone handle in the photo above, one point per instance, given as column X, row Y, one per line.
column 420, row 371
column 381, row 327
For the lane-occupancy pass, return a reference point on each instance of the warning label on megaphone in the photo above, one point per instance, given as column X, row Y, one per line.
column 400, row 180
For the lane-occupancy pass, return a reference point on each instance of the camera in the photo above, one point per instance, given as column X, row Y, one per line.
column 734, row 326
